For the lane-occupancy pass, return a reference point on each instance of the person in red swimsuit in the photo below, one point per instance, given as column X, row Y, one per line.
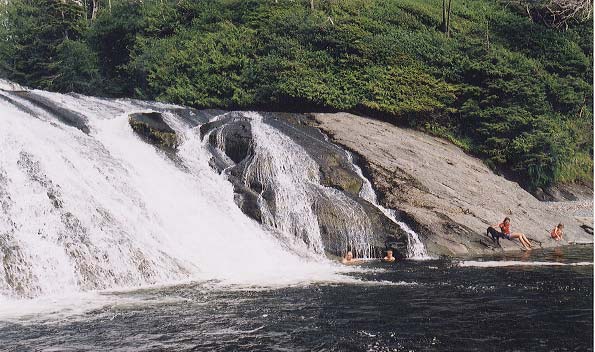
column 509, row 235
column 557, row 232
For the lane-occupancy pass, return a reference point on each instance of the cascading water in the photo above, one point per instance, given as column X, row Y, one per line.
column 415, row 248
column 289, row 174
column 296, row 201
column 84, row 211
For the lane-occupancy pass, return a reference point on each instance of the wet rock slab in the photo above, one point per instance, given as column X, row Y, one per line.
column 69, row 117
column 231, row 142
column 448, row 197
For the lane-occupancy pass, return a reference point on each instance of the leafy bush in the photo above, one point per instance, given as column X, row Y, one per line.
column 507, row 89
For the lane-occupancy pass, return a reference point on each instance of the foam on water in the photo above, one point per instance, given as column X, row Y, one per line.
column 493, row 264
column 9, row 86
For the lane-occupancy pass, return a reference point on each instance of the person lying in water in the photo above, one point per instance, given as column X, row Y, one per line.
column 348, row 259
column 557, row 232
column 509, row 235
column 389, row 256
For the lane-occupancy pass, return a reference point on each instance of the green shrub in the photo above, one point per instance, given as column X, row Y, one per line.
column 512, row 91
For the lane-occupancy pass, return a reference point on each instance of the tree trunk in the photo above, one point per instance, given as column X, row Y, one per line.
column 443, row 24
column 448, row 20
column 95, row 10
column 312, row 5
column 63, row 19
column 488, row 34
column 86, row 9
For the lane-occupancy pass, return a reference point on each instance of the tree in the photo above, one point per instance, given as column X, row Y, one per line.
column 564, row 11
column 36, row 29
column 445, row 26
column 557, row 13
column 76, row 68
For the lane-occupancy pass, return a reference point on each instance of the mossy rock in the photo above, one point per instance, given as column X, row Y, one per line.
column 336, row 173
column 152, row 129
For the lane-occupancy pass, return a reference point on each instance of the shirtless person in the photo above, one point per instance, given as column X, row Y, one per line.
column 348, row 259
column 389, row 256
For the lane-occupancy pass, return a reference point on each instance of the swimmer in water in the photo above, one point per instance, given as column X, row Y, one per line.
column 348, row 259
column 389, row 256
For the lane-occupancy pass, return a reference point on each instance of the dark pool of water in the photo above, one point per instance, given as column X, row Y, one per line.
column 434, row 306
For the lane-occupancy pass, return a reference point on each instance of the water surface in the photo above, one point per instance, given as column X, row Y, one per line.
column 509, row 302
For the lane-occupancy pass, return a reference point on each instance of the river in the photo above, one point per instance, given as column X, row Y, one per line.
column 538, row 301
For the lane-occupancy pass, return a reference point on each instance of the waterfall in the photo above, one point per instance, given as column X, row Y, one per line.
column 286, row 171
column 415, row 247
column 85, row 204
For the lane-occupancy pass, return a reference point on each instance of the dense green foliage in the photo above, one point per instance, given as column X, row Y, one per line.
column 514, row 92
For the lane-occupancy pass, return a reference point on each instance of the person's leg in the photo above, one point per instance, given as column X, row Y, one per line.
column 526, row 240
column 489, row 233
column 518, row 236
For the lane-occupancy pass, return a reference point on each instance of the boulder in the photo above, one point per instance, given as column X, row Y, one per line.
column 151, row 127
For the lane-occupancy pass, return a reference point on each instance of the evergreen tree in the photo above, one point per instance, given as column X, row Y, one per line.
column 33, row 31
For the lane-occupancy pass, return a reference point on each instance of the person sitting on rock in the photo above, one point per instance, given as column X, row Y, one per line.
column 557, row 232
column 505, row 230
column 348, row 259
column 389, row 256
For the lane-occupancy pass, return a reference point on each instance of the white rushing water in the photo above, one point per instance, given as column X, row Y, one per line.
column 415, row 247
column 285, row 169
column 102, row 210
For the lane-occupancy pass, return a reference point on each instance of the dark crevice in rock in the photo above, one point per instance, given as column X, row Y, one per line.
column 588, row 229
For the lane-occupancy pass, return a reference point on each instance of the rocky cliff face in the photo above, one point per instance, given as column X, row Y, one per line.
column 288, row 176
column 448, row 197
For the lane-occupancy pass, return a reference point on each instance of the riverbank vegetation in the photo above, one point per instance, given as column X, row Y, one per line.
column 503, row 80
